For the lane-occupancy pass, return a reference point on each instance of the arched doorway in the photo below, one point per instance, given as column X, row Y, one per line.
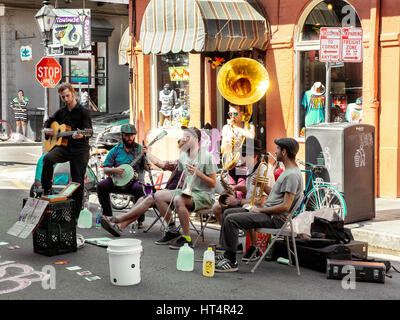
column 346, row 78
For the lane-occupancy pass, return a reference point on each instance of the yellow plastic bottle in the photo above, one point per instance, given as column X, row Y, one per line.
column 208, row 263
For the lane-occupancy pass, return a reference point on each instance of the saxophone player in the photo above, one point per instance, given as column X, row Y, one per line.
column 252, row 156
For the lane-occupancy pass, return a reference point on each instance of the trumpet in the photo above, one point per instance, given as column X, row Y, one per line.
column 260, row 181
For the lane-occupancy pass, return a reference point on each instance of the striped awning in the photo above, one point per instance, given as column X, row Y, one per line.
column 203, row 26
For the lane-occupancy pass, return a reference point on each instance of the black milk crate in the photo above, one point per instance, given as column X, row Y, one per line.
column 56, row 233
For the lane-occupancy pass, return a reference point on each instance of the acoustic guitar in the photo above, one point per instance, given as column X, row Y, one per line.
column 129, row 175
column 61, row 134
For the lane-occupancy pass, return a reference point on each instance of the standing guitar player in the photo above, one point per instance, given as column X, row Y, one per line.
column 124, row 153
column 77, row 149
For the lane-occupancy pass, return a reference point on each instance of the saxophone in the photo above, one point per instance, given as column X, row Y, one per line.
column 228, row 189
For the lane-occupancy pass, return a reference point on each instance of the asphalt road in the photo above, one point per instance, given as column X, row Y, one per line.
column 160, row 279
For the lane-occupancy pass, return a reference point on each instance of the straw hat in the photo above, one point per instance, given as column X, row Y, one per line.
column 318, row 89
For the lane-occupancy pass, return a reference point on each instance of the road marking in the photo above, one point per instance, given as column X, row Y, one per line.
column 20, row 185
column 33, row 154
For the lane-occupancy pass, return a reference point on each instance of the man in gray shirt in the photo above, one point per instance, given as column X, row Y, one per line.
column 283, row 195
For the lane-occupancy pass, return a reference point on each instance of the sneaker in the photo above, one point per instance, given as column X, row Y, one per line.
column 249, row 252
column 226, row 265
column 168, row 237
column 177, row 244
column 219, row 257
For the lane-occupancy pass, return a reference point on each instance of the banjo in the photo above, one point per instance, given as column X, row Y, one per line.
column 129, row 175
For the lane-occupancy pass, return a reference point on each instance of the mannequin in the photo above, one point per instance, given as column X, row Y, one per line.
column 167, row 97
column 314, row 103
column 354, row 111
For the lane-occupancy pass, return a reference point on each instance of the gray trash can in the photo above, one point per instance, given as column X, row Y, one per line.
column 35, row 124
column 348, row 153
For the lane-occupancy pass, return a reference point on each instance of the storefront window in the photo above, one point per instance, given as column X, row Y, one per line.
column 172, row 90
column 345, row 78
column 89, row 78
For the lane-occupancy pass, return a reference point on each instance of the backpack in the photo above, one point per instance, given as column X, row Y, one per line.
column 324, row 229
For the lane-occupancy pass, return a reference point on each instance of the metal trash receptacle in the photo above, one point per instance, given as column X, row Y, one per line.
column 35, row 124
column 348, row 152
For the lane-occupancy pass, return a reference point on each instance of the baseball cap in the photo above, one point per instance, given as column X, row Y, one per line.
column 194, row 131
column 128, row 128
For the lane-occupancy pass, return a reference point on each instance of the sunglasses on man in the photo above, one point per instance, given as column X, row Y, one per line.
column 235, row 114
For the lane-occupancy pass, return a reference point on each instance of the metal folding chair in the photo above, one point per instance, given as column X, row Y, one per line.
column 286, row 231
column 202, row 213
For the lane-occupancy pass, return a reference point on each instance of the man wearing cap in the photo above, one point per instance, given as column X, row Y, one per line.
column 252, row 155
column 200, row 172
column 124, row 153
column 281, row 198
column 77, row 149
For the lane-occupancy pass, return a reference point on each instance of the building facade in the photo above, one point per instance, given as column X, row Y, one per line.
column 107, row 82
column 365, row 92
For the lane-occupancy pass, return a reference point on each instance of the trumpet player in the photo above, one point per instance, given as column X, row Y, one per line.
column 200, row 171
column 252, row 155
column 285, row 192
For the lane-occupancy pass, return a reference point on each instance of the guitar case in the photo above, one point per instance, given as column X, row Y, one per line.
column 313, row 255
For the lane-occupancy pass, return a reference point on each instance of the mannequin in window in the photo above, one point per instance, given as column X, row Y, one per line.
column 314, row 103
column 354, row 111
column 176, row 113
column 167, row 97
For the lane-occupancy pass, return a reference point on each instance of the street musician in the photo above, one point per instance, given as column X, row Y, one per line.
column 126, row 152
column 200, row 171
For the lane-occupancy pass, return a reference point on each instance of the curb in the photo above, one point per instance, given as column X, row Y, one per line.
column 378, row 239
column 19, row 144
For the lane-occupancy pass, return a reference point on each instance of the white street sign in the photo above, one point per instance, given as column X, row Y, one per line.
column 330, row 44
column 352, row 47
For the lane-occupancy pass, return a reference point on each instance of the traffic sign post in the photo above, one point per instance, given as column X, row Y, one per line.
column 48, row 72
column 338, row 45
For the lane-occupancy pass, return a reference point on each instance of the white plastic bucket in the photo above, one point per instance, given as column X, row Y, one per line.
column 124, row 260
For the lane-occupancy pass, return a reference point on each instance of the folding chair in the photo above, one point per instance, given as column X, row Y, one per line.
column 202, row 213
column 158, row 218
column 286, row 231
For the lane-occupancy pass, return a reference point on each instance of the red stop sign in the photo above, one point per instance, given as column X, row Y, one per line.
column 48, row 72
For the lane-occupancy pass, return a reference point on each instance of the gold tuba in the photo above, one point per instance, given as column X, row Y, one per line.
column 261, row 181
column 241, row 81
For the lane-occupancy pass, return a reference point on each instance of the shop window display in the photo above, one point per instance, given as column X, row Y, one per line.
column 173, row 95
column 346, row 78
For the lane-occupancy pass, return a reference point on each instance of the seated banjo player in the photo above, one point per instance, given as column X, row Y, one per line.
column 122, row 180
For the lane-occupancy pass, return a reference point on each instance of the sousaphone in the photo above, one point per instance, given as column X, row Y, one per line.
column 241, row 81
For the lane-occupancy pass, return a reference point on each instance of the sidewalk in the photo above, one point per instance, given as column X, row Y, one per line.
column 383, row 232
column 19, row 143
